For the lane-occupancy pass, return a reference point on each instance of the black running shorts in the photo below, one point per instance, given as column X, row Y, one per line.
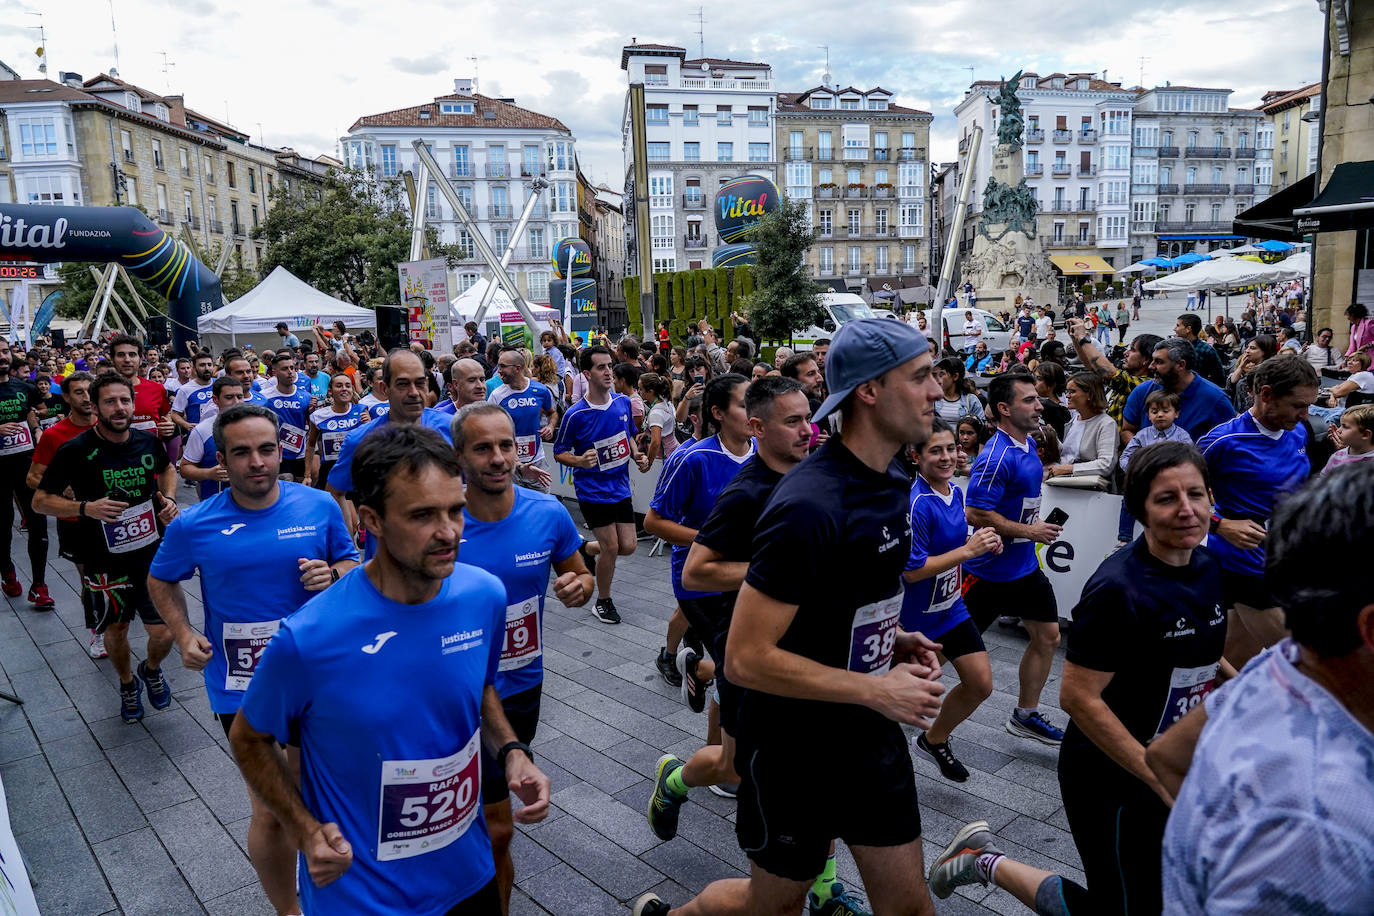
column 522, row 711
column 959, row 640
column 600, row 515
column 1030, row 597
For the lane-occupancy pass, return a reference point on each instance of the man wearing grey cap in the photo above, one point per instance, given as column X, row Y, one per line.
column 810, row 652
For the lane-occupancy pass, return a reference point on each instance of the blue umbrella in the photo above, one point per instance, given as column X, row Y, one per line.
column 1273, row 245
column 1158, row 262
column 1191, row 257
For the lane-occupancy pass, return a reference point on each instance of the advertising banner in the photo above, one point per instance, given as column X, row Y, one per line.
column 16, row 894
column 425, row 295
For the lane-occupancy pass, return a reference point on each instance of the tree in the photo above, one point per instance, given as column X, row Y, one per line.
column 785, row 297
column 79, row 284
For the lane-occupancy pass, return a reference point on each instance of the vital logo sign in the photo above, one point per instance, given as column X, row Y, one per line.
column 15, row 233
column 734, row 207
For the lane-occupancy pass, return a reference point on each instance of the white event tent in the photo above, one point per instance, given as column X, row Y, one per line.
column 252, row 318
column 464, row 307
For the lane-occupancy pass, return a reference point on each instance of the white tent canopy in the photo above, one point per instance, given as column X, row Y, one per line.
column 253, row 317
column 1222, row 273
column 465, row 306
column 1137, row 267
column 1295, row 266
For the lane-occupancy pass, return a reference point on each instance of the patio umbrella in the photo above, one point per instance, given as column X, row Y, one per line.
column 1138, row 267
column 1221, row 273
column 1191, row 257
column 1245, row 249
column 1294, row 267
column 1158, row 262
column 1274, row 246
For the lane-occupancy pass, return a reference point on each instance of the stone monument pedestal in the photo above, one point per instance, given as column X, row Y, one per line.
column 1007, row 259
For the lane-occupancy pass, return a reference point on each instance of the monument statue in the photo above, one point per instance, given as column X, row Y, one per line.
column 1011, row 124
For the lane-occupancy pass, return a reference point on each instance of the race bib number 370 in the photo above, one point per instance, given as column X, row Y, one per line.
column 427, row 804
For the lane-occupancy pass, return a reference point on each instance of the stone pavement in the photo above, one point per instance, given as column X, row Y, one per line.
column 152, row 818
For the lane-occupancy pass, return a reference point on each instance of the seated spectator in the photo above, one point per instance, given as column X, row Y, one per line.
column 1089, row 446
column 1335, row 401
column 1262, row 347
column 980, row 359
column 1320, row 353
column 1355, row 436
column 1288, row 340
column 960, row 397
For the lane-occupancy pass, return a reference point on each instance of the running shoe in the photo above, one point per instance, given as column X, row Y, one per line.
column 40, row 599
column 958, row 864
column 131, row 701
column 693, row 687
column 649, row 905
column 841, row 903
column 96, row 647
column 1036, row 727
column 605, row 611
column 1007, row 620
column 667, row 668
column 10, row 585
column 159, row 694
column 729, row 790
column 663, row 804
column 944, row 758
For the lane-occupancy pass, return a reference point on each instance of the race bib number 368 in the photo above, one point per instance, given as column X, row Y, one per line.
column 136, row 527
column 427, row 804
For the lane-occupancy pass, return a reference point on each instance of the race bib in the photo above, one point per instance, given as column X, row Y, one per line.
column 873, row 635
column 427, row 804
column 527, row 447
column 292, row 438
column 136, row 527
column 330, row 444
column 49, row 421
column 946, row 591
column 1030, row 514
column 523, row 643
column 612, row 452
column 243, row 644
column 1187, row 688
column 148, row 426
column 21, row 440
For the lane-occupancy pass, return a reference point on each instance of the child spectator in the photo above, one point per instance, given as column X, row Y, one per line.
column 1356, row 434
column 1162, row 408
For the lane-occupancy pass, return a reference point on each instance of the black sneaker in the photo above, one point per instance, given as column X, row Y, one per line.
column 605, row 611
column 159, row 694
column 667, row 668
column 649, row 905
column 131, row 701
column 693, row 687
column 944, row 758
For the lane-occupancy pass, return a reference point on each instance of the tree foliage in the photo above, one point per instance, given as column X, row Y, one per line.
column 785, row 298
column 79, row 284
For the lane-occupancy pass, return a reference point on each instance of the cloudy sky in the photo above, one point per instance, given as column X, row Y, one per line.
column 297, row 73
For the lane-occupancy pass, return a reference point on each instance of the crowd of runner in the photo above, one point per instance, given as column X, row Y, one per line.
column 380, row 684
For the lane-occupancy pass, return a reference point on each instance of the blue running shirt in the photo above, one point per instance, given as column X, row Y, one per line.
column 200, row 450
column 386, row 701
column 934, row 605
column 526, row 412
column 294, row 412
column 1202, row 406
column 609, row 429
column 519, row 550
column 190, row 400
column 341, row 476
column 232, row 547
column 332, row 427
column 1005, row 478
column 687, row 492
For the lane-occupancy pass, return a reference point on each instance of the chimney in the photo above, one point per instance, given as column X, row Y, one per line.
column 462, row 86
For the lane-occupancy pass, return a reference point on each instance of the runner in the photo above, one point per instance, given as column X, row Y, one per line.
column 934, row 603
column 317, row 381
column 76, row 391
column 200, row 464
column 122, row 485
column 666, row 660
column 290, row 401
column 597, row 438
column 820, row 649
column 328, row 426
column 185, row 370
column 19, row 403
column 289, row 541
column 195, row 394
column 237, row 366
column 467, row 385
column 152, row 406
column 376, row 396
column 1254, row 460
column 517, row 535
column 388, row 681
column 530, row 405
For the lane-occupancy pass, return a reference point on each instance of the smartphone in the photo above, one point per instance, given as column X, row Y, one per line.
column 1057, row 516
column 119, row 493
column 699, row 379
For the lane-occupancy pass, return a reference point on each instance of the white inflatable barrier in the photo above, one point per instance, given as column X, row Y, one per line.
column 16, row 894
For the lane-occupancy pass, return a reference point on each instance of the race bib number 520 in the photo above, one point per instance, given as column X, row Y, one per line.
column 427, row 804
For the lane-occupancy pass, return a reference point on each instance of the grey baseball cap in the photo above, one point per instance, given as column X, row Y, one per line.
column 863, row 350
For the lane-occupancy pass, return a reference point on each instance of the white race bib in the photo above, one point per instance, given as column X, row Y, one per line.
column 524, row 640
column 873, row 634
column 243, row 644
column 292, row 438
column 427, row 804
column 1030, row 514
column 527, row 447
column 136, row 527
column 19, row 441
column 331, row 443
column 148, row 426
column 946, row 591
column 1187, row 688
column 612, row 452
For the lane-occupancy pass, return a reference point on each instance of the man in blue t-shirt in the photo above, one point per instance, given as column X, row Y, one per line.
column 467, row 385
column 388, row 682
column 317, row 381
column 1004, row 494
column 191, row 397
column 290, row 401
column 289, row 541
column 530, row 405
column 1252, row 462
column 517, row 535
column 200, row 462
column 1202, row 405
column 597, row 439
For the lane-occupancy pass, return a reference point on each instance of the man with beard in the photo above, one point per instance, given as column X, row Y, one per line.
column 19, row 403
column 1202, row 405
column 290, row 401
column 195, row 394
column 805, row 367
column 1119, row 381
column 152, row 407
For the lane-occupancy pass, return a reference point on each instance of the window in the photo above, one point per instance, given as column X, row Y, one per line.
column 462, row 160
column 388, row 162
column 161, row 200
column 500, row 202
column 535, row 241
column 853, row 175
column 465, row 197
column 431, row 202
column 661, row 191
column 1114, row 123
column 126, row 143
column 908, row 258
column 725, row 152
column 1114, row 227
column 911, row 179
column 252, row 181
column 1216, row 213
column 538, row 284
column 798, row 179
column 1115, row 192
column 691, row 151
column 208, row 168
column 45, row 189
column 560, row 154
column 655, row 74
column 853, row 221
column 1143, row 211
column 157, row 156
column 656, row 114
column 666, row 264
column 1189, row 212
column 820, row 102
column 529, row 160
column 723, row 115
column 1146, row 136
column 234, row 216
column 795, row 139
column 877, row 104
column 914, row 219
column 1191, row 178
column 758, row 116
column 1145, row 172
column 824, row 145
column 1116, row 156
column 758, row 152
column 185, row 160
column 849, row 104
column 186, row 209
column 467, row 281
column 455, row 108
column 880, row 221
column 827, row 220
column 1264, row 173
column 1218, row 139
column 827, row 260
column 466, row 249
column 661, row 230
column 564, row 198
column 1217, row 173
column 824, row 176
column 855, row 137
column 659, row 151
column 229, row 171
column 37, row 138
column 689, row 115
column 880, row 176
column 497, row 166
column 1166, row 174
column 254, row 210
column 880, row 260
column 500, row 240
column 692, row 192
column 1084, row 231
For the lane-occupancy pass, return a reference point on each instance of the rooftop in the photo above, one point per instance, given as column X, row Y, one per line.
column 1278, row 100
column 506, row 116
column 796, row 101
column 651, row 49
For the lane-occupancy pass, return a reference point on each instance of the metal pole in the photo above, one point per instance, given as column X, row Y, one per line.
column 483, row 249
column 956, row 231
column 645, row 256
column 537, row 187
column 567, row 290
column 417, row 211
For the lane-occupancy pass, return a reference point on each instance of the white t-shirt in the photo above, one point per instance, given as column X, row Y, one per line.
column 972, row 331
column 1366, row 382
column 1042, row 326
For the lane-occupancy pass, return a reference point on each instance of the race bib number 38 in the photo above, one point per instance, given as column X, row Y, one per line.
column 523, row 644
column 873, row 635
column 612, row 452
column 427, row 804
column 136, row 527
column 1187, row 688
column 243, row 644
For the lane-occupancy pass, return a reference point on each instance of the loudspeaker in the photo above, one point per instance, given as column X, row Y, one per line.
column 59, row 338
column 391, row 327
column 159, row 330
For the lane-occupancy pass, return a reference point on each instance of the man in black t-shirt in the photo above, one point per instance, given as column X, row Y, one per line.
column 808, row 650
column 19, row 402
column 123, row 486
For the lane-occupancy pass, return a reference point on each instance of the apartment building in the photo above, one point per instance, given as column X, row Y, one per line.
column 861, row 162
column 490, row 149
column 609, row 258
column 1294, row 117
column 708, row 120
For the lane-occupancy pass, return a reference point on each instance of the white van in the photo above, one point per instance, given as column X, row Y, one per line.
column 995, row 334
column 839, row 308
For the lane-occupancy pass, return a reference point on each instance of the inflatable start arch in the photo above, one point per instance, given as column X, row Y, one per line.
column 123, row 235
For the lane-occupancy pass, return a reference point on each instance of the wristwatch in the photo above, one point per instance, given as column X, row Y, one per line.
column 513, row 746
column 1215, row 523
column 333, row 574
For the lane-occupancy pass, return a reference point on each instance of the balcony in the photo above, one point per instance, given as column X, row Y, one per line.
column 541, row 211
column 128, row 155
column 499, row 211
column 1035, row 135
column 1144, row 188
column 882, row 192
column 1087, row 171
column 1243, row 189
column 1206, row 189
column 164, row 217
column 694, row 201
column 1193, row 226
column 239, row 229
column 854, row 270
column 1061, row 168
column 216, row 227
column 1166, row 189
column 533, row 169
column 1068, row 241
column 1060, row 206
column 855, row 193
column 798, row 153
column 191, row 221
column 1145, row 152
column 1035, row 169
column 157, row 162
column 1245, row 152
column 963, row 143
column 1087, row 136
column 910, row 153
column 185, row 171
column 824, row 192
column 498, row 170
column 1063, row 136
column 826, row 270
column 882, row 154
column 1207, row 152
column 460, row 170
column 694, row 242
column 825, row 154
column 726, row 85
column 825, row 232
column 1168, row 152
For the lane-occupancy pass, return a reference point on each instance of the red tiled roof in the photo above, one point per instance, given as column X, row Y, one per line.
column 1275, row 102
column 725, row 63
column 507, row 116
column 39, row 91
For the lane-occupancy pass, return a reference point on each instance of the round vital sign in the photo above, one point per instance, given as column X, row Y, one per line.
column 741, row 203
column 581, row 258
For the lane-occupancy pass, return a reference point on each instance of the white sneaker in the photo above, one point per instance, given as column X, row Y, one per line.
column 97, row 645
